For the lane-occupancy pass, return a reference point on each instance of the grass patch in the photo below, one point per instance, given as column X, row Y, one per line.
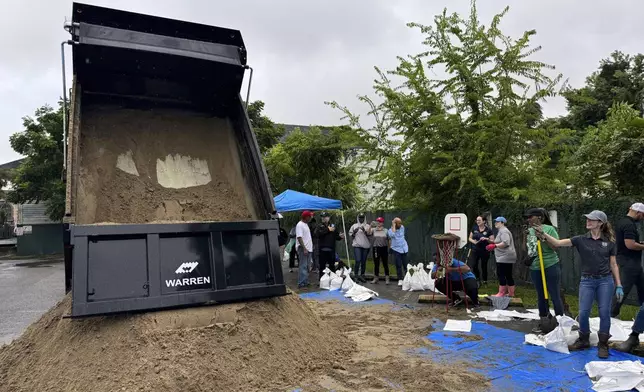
column 528, row 295
column 526, row 292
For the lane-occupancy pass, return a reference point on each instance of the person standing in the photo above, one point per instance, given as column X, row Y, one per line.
column 480, row 236
column 538, row 217
column 380, row 251
column 597, row 251
column 327, row 237
column 629, row 255
column 291, row 247
column 460, row 278
column 398, row 246
column 304, row 247
column 505, row 255
column 360, row 232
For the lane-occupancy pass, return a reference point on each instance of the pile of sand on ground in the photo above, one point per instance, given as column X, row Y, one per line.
column 384, row 358
column 126, row 154
column 262, row 345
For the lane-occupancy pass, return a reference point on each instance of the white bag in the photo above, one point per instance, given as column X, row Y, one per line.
column 325, row 280
column 616, row 376
column 285, row 256
column 416, row 281
column 348, row 283
column 556, row 341
column 336, row 282
column 406, row 284
column 425, row 279
column 360, row 293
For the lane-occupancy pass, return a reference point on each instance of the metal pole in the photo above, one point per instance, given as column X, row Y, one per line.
column 250, row 81
column 62, row 58
column 346, row 243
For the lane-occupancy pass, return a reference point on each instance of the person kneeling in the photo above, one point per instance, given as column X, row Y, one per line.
column 460, row 278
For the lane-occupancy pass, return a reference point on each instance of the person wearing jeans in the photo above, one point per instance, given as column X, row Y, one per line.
column 304, row 248
column 552, row 268
column 398, row 246
column 629, row 254
column 360, row 232
column 597, row 252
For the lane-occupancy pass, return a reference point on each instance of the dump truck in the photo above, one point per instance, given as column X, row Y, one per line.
column 167, row 200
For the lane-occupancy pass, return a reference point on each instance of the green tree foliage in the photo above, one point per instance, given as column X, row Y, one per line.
column 266, row 131
column 5, row 177
column 39, row 177
column 610, row 159
column 316, row 162
column 470, row 138
column 620, row 78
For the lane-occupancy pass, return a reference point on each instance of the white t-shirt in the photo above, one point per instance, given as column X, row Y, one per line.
column 302, row 231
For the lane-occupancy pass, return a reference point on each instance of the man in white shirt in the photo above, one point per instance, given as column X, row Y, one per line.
column 304, row 246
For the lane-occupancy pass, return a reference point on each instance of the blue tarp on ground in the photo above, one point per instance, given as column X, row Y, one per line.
column 297, row 201
column 512, row 365
column 339, row 296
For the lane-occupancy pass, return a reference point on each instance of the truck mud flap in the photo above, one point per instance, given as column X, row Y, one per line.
column 124, row 268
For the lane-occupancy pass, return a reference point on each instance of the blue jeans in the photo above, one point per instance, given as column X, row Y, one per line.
column 401, row 264
column 361, row 260
column 602, row 290
column 553, row 283
column 305, row 260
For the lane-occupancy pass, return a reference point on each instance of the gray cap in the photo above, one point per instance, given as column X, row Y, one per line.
column 597, row 216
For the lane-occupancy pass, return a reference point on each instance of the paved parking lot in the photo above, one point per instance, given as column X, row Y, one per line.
column 28, row 288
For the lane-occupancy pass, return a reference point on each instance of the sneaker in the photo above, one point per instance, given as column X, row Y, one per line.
column 537, row 330
column 290, row 270
column 386, row 279
column 375, row 280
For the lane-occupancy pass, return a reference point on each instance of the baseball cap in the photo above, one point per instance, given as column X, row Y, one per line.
column 306, row 214
column 533, row 212
column 324, row 214
column 380, row 219
column 639, row 207
column 597, row 215
column 501, row 219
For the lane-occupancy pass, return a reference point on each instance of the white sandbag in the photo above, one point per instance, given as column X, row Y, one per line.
column 362, row 297
column 348, row 283
column 616, row 376
column 416, row 282
column 406, row 284
column 617, row 332
column 556, row 341
column 358, row 290
column 336, row 282
column 325, row 280
column 425, row 278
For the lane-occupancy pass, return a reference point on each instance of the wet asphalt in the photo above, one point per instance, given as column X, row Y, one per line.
column 28, row 288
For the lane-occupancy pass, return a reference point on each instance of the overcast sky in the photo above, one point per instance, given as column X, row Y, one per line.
column 305, row 53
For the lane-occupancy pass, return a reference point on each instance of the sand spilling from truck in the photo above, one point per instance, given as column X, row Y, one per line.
column 261, row 345
column 161, row 165
column 276, row 344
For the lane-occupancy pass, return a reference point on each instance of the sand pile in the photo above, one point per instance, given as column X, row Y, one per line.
column 263, row 345
column 139, row 166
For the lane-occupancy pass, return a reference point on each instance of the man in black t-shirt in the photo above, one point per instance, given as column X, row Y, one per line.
column 629, row 254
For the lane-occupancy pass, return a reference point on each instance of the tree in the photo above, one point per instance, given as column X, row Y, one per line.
column 5, row 177
column 266, row 131
column 610, row 160
column 471, row 138
column 316, row 162
column 39, row 177
column 620, row 78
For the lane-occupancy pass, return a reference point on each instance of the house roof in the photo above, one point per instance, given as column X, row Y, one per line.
column 12, row 164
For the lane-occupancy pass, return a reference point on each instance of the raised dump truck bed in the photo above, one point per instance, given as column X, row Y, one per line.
column 168, row 203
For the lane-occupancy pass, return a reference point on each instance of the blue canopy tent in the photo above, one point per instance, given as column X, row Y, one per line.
column 290, row 200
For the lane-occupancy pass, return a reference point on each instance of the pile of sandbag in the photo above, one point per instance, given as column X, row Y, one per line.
column 341, row 280
column 417, row 279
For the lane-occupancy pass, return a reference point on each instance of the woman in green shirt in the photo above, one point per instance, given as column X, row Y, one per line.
column 539, row 217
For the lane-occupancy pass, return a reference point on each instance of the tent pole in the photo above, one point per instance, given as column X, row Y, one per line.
column 346, row 243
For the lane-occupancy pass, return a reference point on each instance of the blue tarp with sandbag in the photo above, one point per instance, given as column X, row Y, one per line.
column 501, row 355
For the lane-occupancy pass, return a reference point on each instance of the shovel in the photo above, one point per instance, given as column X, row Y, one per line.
column 543, row 272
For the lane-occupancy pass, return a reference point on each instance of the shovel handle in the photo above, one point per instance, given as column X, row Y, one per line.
column 543, row 272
